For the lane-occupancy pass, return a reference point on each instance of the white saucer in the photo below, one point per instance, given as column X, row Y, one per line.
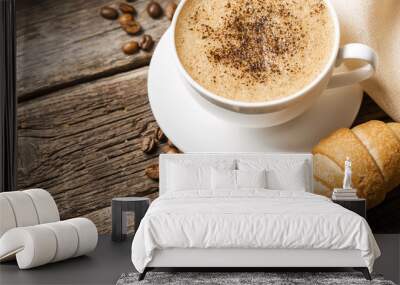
column 195, row 125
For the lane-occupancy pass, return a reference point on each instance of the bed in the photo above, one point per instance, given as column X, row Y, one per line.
column 247, row 210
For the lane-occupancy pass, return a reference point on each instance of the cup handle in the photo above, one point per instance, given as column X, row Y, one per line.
column 358, row 52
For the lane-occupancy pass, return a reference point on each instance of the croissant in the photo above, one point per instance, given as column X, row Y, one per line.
column 374, row 149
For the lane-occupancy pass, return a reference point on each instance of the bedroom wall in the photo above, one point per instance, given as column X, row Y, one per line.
column 83, row 110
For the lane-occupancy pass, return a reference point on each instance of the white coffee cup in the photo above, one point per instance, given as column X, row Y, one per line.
column 284, row 109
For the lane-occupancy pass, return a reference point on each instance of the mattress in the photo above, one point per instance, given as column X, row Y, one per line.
column 250, row 219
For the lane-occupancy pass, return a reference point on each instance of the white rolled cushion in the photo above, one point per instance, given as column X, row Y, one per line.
column 45, row 205
column 251, row 178
column 67, row 240
column 87, row 235
column 23, row 208
column 33, row 246
column 7, row 218
column 223, row 179
column 37, row 245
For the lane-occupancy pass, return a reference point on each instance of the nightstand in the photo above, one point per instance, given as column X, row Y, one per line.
column 358, row 206
column 119, row 209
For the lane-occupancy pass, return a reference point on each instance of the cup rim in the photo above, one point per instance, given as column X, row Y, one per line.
column 262, row 104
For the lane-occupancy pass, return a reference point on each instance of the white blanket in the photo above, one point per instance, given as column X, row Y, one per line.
column 250, row 219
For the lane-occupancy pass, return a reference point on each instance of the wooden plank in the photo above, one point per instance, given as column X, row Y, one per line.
column 61, row 43
column 102, row 219
column 83, row 143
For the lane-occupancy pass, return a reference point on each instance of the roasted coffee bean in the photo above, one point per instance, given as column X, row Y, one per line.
column 132, row 27
column 169, row 149
column 154, row 9
column 170, row 10
column 109, row 13
column 126, row 8
column 124, row 19
column 152, row 171
column 159, row 135
column 148, row 144
column 130, row 47
column 146, row 42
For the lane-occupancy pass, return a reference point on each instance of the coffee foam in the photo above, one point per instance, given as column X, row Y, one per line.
column 254, row 50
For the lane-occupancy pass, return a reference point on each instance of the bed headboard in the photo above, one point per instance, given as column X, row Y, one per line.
column 284, row 157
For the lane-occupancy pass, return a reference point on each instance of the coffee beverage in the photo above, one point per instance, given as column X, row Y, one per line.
column 254, row 50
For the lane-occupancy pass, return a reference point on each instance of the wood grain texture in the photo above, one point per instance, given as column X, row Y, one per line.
column 83, row 143
column 84, row 110
column 61, row 43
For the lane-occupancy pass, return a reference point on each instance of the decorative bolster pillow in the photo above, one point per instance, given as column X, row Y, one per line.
column 40, row 244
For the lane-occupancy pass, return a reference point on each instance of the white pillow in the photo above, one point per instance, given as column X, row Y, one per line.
column 282, row 174
column 223, row 179
column 251, row 178
column 294, row 180
column 193, row 174
column 188, row 177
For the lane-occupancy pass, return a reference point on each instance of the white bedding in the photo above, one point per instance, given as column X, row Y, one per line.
column 250, row 219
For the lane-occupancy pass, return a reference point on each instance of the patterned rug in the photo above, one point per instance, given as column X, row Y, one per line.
column 244, row 278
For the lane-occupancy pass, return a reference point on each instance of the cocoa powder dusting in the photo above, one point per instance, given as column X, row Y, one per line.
column 257, row 39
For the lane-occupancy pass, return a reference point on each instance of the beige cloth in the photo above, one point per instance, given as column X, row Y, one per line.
column 377, row 24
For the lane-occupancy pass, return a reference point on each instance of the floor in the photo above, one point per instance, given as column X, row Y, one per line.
column 111, row 259
column 388, row 264
column 103, row 266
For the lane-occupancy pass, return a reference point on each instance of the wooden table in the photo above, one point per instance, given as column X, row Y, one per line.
column 83, row 107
